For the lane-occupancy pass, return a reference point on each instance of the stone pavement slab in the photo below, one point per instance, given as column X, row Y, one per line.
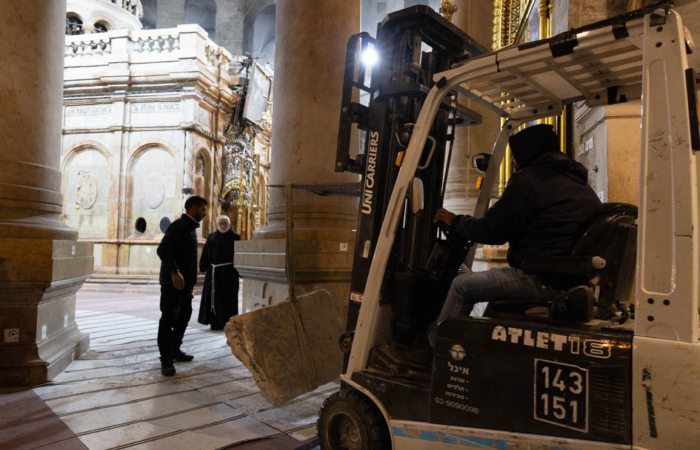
column 114, row 396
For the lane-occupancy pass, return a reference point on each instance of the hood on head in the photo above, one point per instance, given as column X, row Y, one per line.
column 561, row 163
column 532, row 142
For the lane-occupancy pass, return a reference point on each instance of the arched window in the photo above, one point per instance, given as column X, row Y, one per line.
column 74, row 25
column 203, row 13
column 101, row 27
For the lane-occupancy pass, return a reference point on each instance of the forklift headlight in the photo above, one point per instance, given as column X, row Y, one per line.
column 369, row 57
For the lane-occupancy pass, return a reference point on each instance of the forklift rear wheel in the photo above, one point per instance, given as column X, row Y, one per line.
column 350, row 421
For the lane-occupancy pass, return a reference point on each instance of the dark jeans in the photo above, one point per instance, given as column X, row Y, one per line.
column 176, row 310
column 494, row 284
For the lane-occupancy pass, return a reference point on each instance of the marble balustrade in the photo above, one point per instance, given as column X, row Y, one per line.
column 186, row 48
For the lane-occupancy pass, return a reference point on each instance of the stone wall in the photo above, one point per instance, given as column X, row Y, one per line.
column 171, row 13
column 583, row 12
column 607, row 139
column 230, row 18
column 123, row 181
column 607, row 143
column 373, row 11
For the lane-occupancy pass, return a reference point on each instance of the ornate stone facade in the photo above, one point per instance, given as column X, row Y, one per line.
column 143, row 120
column 103, row 15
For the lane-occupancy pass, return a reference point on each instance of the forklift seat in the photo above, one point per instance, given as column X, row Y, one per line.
column 601, row 265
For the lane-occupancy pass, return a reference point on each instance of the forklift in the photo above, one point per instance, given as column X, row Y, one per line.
column 519, row 378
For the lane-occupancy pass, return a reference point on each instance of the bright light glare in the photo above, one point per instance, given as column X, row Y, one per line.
column 369, row 57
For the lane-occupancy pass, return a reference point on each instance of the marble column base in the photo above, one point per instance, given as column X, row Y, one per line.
column 38, row 283
column 320, row 265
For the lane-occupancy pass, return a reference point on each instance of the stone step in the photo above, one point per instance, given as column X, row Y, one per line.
column 141, row 284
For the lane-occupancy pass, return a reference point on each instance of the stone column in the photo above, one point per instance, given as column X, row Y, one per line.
column 42, row 265
column 311, row 41
column 474, row 17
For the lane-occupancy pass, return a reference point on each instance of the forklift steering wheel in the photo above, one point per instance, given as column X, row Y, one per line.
column 452, row 236
column 447, row 230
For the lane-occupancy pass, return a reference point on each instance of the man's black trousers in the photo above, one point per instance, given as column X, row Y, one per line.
column 176, row 310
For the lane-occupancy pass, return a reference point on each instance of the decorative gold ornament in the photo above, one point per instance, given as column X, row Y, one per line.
column 509, row 16
column 447, row 9
column 241, row 172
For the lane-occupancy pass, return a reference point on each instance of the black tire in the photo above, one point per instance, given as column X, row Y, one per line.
column 349, row 420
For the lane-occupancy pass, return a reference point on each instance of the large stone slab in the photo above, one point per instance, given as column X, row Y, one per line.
column 267, row 342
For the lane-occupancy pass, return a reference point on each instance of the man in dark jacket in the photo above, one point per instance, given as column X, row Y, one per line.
column 542, row 213
column 178, row 275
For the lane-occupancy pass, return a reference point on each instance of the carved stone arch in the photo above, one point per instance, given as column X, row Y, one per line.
column 71, row 151
column 69, row 155
column 85, row 186
column 75, row 14
column 101, row 17
column 141, row 147
column 169, row 190
column 135, row 154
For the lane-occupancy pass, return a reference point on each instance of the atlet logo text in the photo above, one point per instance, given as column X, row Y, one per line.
column 575, row 345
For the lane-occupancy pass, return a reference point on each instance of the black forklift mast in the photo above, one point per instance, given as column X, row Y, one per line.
column 411, row 46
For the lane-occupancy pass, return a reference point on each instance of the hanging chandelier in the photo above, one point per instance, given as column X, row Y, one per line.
column 448, row 8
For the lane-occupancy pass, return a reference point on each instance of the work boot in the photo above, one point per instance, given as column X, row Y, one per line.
column 167, row 368
column 179, row 355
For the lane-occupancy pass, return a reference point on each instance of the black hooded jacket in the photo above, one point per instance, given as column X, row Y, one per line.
column 178, row 251
column 543, row 211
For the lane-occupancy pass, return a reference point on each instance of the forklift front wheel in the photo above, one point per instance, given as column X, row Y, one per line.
column 350, row 421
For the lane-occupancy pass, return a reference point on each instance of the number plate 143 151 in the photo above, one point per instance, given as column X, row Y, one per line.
column 561, row 394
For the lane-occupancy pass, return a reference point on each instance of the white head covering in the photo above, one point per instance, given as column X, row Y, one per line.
column 223, row 227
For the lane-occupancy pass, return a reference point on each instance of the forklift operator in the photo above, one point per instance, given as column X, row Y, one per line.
column 542, row 213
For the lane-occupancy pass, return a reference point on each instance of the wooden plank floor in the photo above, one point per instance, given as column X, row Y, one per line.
column 114, row 396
